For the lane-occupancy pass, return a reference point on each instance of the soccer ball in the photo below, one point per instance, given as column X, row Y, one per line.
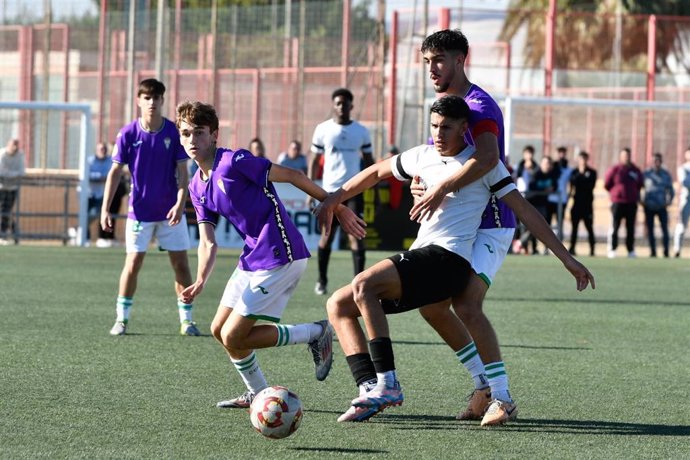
column 276, row 412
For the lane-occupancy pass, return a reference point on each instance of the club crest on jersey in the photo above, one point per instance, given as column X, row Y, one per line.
column 221, row 185
column 167, row 141
column 239, row 156
column 137, row 143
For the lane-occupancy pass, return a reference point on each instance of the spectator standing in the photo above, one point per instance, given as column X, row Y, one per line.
column 12, row 169
column 256, row 146
column 683, row 205
column 542, row 184
column 524, row 171
column 582, row 182
column 558, row 199
column 293, row 157
column 658, row 195
column 99, row 167
column 623, row 182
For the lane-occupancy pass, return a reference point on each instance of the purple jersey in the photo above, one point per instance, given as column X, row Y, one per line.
column 240, row 191
column 152, row 158
column 482, row 107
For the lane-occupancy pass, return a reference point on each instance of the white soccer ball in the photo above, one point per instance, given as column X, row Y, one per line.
column 276, row 412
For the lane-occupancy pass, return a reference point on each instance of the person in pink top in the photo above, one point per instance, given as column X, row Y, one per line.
column 623, row 182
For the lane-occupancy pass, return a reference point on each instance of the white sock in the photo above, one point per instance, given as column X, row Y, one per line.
column 469, row 357
column 678, row 237
column 386, row 379
column 498, row 381
column 122, row 308
column 250, row 372
column 185, row 311
column 367, row 386
column 289, row 334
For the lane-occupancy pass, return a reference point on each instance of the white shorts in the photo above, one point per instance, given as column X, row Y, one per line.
column 139, row 235
column 489, row 250
column 263, row 294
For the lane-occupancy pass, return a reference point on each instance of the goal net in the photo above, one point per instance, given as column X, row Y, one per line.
column 53, row 197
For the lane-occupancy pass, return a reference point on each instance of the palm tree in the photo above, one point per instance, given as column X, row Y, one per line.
column 586, row 32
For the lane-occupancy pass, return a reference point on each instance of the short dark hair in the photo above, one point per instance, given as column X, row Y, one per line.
column 451, row 106
column 584, row 155
column 446, row 40
column 344, row 92
column 529, row 148
column 658, row 156
column 151, row 87
column 198, row 114
column 626, row 150
column 562, row 148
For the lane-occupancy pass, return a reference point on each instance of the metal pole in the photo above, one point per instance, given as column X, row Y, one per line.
column 380, row 96
column 548, row 70
column 651, row 84
column 422, row 74
column 345, row 58
column 393, row 79
column 160, row 37
column 129, row 97
column 101, row 67
column 45, row 91
column 298, row 130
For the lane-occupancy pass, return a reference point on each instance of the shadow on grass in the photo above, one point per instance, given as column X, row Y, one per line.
column 588, row 427
column 339, row 450
column 597, row 301
column 532, row 347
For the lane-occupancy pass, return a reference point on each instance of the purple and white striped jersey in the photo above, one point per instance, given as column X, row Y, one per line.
column 483, row 109
column 239, row 190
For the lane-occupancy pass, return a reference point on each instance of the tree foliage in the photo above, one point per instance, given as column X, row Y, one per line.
column 587, row 30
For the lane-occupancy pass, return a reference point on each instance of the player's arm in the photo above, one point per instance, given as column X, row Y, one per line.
column 350, row 222
column 175, row 214
column 535, row 223
column 111, row 184
column 361, row 181
column 481, row 162
column 207, row 259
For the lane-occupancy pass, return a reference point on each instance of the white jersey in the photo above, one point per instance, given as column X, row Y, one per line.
column 341, row 146
column 454, row 224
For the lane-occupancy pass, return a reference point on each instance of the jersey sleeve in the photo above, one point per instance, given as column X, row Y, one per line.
column 404, row 165
column 499, row 180
column 317, row 144
column 366, row 141
column 203, row 214
column 253, row 168
column 120, row 152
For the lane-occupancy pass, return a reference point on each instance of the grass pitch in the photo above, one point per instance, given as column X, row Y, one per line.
column 597, row 374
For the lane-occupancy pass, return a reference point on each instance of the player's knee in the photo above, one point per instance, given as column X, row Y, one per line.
column 360, row 285
column 216, row 329
column 232, row 341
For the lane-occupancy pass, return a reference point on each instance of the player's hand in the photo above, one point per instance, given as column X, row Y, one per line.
column 351, row 222
column 325, row 211
column 174, row 216
column 429, row 202
column 190, row 292
column 583, row 277
column 106, row 221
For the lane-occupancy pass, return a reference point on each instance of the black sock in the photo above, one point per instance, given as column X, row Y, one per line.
column 324, row 255
column 381, row 350
column 358, row 260
column 362, row 367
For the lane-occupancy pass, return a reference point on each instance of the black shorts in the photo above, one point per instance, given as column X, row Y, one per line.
column 427, row 275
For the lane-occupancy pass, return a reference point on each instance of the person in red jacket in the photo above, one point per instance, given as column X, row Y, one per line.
column 623, row 182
